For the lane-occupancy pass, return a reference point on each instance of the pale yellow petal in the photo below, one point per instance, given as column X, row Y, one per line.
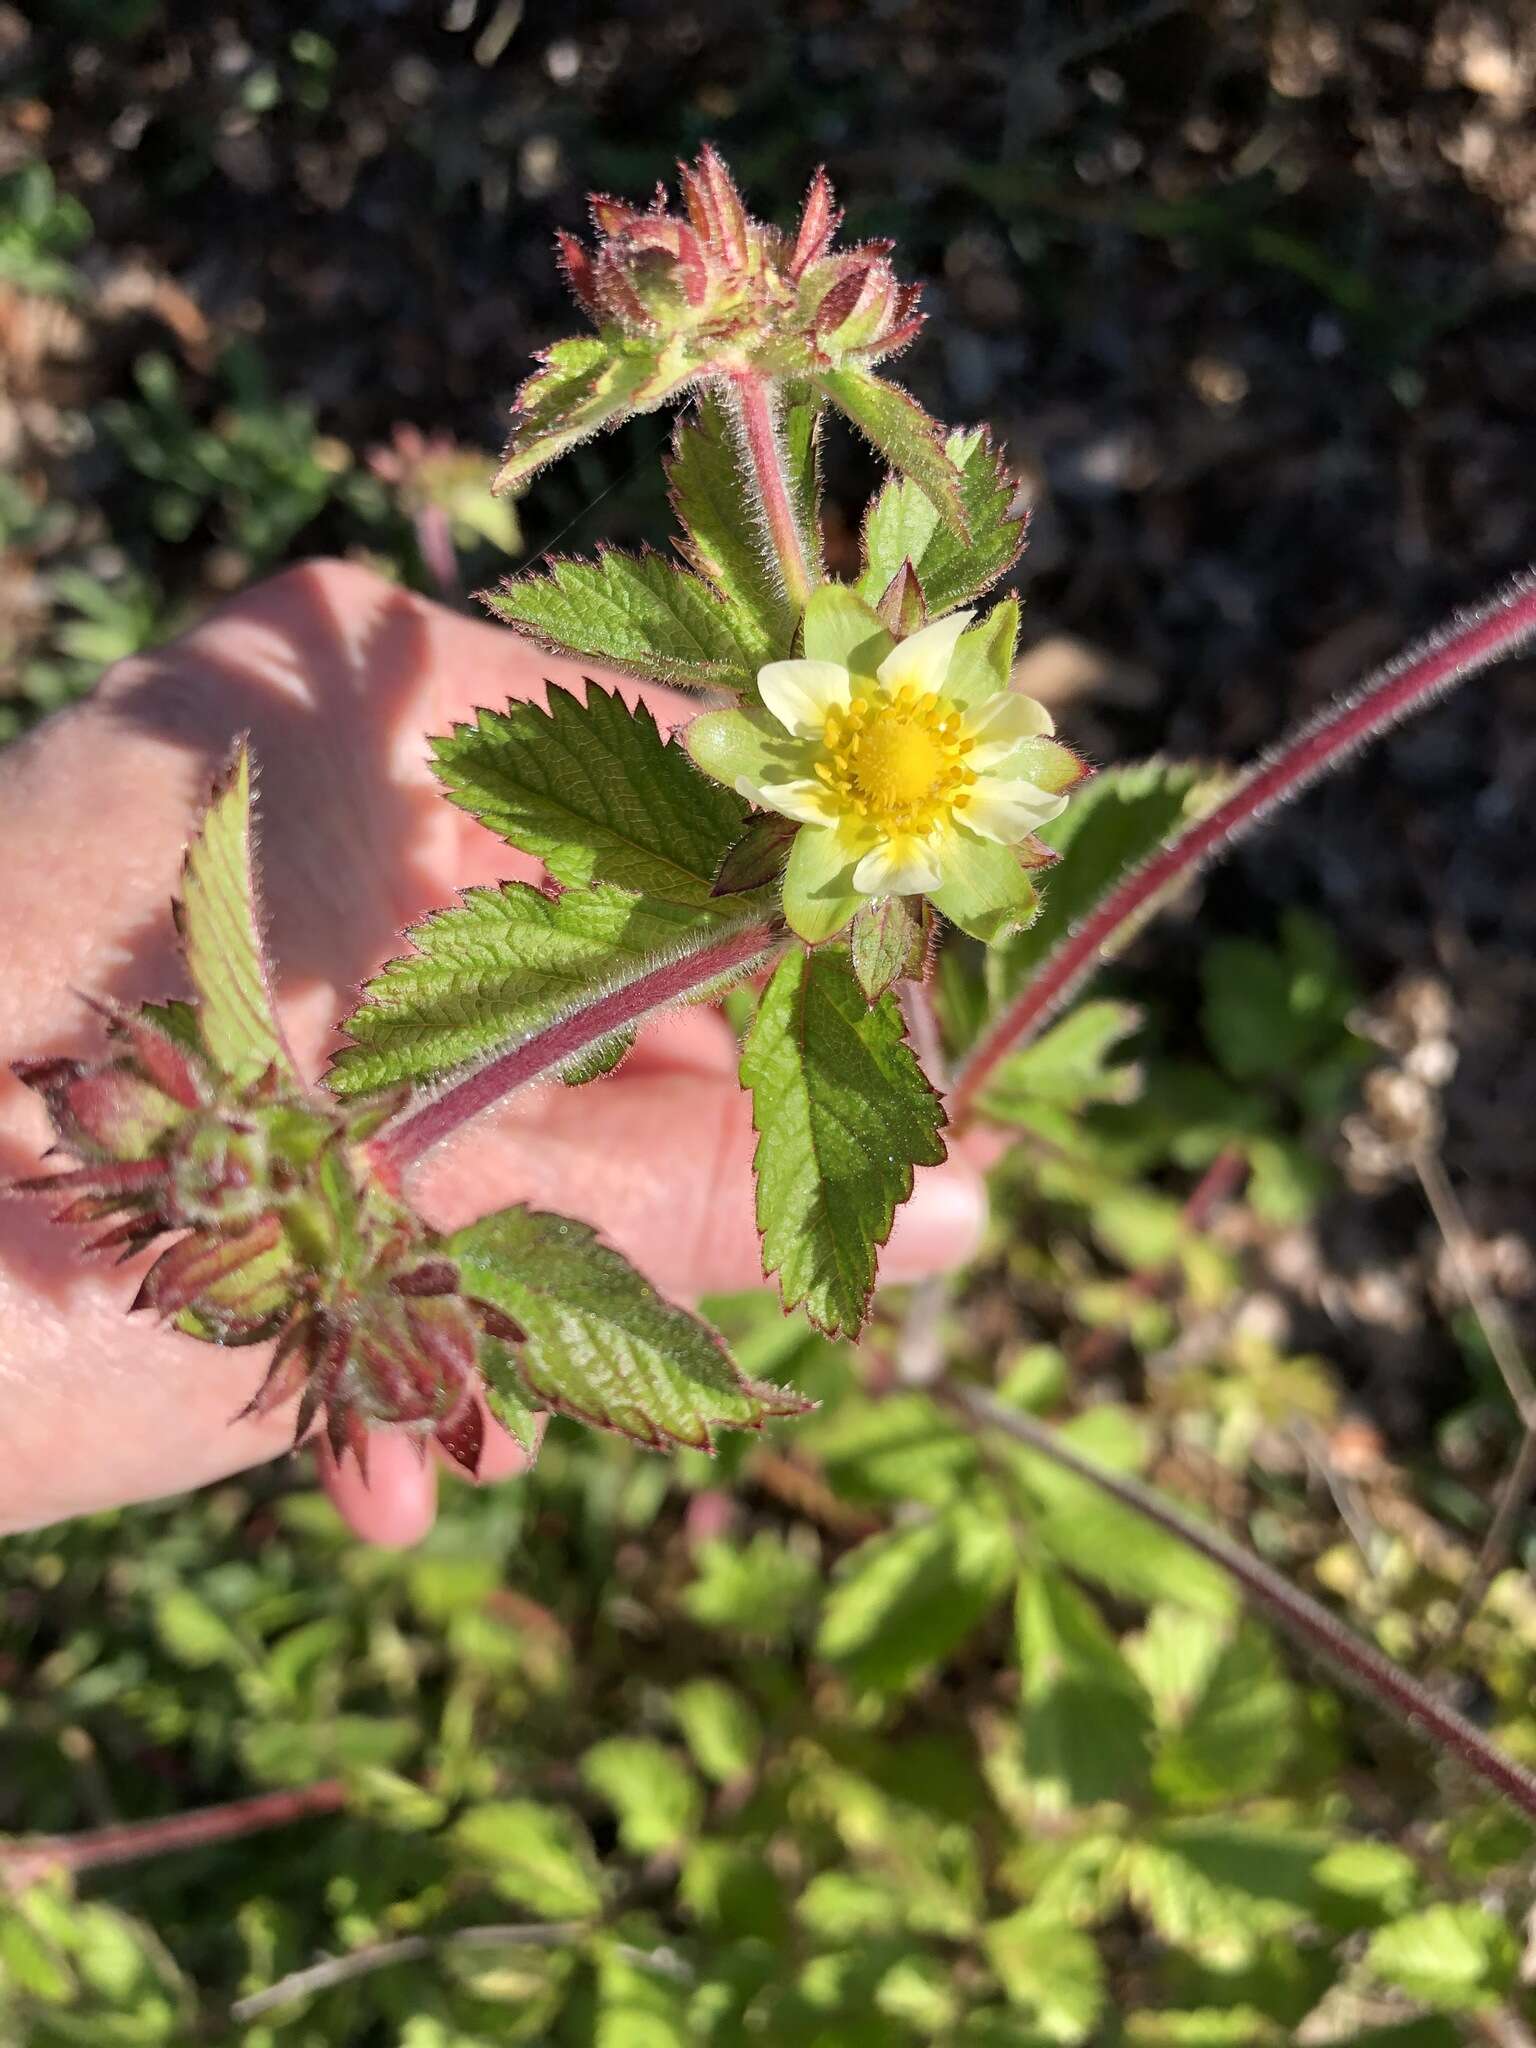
column 897, row 867
column 923, row 661
column 801, row 693
column 998, row 724
column 805, row 799
column 1007, row 811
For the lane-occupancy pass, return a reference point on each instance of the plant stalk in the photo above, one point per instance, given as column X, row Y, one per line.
column 1472, row 643
column 26, row 1861
column 1358, row 1662
column 764, row 445
column 427, row 1122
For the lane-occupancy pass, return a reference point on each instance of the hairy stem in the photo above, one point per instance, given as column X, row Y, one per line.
column 1471, row 643
column 1311, row 1625
column 134, row 1840
column 427, row 1122
column 764, row 445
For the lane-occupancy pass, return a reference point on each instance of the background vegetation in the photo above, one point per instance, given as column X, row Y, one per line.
column 870, row 1732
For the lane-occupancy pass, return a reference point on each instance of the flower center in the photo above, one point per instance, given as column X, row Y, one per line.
column 897, row 762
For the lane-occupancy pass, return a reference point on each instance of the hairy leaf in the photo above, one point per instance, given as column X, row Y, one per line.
column 1052, row 1971
column 1455, row 1957
column 903, row 1600
column 540, row 1857
column 602, row 1344
column 1071, row 1065
column 499, row 964
column 720, row 522
column 903, row 526
column 843, row 1114
column 1111, row 825
column 220, row 925
column 584, row 384
column 1087, row 1718
column 889, row 942
column 802, row 450
column 596, row 792
column 904, row 434
column 641, row 614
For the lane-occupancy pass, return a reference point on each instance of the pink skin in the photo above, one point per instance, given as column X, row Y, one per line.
column 339, row 678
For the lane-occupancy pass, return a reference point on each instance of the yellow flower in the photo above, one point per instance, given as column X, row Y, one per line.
column 910, row 766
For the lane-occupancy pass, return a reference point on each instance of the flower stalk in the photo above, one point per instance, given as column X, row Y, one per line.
column 427, row 1122
column 764, row 446
column 1470, row 644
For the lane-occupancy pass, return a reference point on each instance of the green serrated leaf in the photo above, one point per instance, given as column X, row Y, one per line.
column 903, row 1601
column 1110, row 826
column 594, row 790
column 1454, row 1957
column 1218, row 1888
column 584, row 384
column 903, row 525
column 1052, row 1971
column 540, row 1857
column 498, row 965
column 220, row 928
column 720, row 522
column 1238, row 1732
column 843, row 1114
column 720, row 1728
column 1087, row 1718
column 1070, row 1065
column 602, row 1344
column 904, row 434
column 641, row 614
column 658, row 1800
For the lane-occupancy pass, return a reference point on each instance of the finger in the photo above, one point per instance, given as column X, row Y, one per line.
column 397, row 1503
column 674, row 1189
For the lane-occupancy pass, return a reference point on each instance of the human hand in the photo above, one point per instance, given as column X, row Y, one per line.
column 339, row 677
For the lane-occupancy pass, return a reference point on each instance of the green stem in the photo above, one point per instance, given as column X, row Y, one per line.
column 764, row 445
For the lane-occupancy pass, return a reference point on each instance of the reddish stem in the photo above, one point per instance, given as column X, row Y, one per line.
column 426, row 1123
column 770, row 471
column 134, row 1840
column 1354, row 1659
column 1405, row 685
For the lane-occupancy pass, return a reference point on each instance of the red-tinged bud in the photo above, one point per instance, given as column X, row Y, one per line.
column 577, row 265
column 200, row 1264
column 169, row 1066
column 612, row 216
column 850, row 318
column 720, row 290
column 818, row 224
column 99, row 1112
column 287, row 1373
column 117, row 1184
column 462, row 1435
column 432, row 1276
column 496, row 1324
column 283, row 1230
column 613, row 280
column 442, row 1331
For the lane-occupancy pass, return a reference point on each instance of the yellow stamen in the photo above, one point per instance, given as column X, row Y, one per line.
column 896, row 760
